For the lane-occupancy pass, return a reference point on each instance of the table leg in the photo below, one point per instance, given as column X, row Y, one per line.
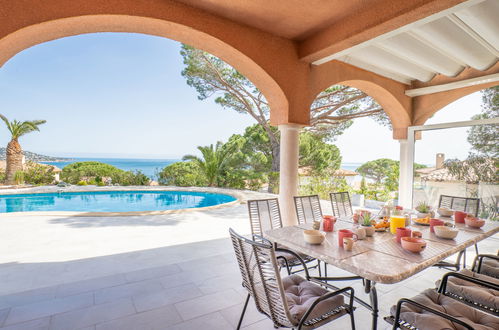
column 370, row 287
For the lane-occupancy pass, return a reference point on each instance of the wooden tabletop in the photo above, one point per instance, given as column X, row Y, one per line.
column 380, row 258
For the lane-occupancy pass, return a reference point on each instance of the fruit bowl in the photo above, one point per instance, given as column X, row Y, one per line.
column 445, row 212
column 445, row 232
column 412, row 244
column 422, row 221
column 313, row 236
column 474, row 222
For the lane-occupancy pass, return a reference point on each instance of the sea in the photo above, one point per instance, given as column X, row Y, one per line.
column 149, row 167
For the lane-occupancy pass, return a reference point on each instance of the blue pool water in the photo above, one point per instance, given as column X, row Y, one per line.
column 110, row 201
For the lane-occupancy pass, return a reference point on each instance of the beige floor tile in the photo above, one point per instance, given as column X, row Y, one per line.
column 156, row 319
column 145, row 302
column 38, row 324
column 213, row 321
column 127, row 290
column 207, row 304
column 92, row 315
column 48, row 307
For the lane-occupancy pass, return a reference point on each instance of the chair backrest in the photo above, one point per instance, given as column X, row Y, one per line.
column 463, row 204
column 308, row 208
column 341, row 204
column 264, row 214
column 260, row 274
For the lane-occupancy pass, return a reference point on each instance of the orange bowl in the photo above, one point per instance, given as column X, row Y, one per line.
column 413, row 244
column 474, row 222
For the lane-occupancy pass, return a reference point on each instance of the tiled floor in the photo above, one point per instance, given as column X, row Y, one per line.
column 155, row 272
column 201, row 293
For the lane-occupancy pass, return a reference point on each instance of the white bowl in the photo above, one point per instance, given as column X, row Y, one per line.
column 445, row 232
column 313, row 236
column 445, row 212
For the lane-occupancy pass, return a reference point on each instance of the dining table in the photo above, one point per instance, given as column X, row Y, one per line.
column 379, row 258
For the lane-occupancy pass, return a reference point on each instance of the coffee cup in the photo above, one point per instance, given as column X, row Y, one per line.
column 417, row 234
column 348, row 243
column 459, row 216
column 403, row 232
column 345, row 233
column 316, row 225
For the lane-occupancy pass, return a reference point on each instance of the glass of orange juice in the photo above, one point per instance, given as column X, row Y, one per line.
column 396, row 221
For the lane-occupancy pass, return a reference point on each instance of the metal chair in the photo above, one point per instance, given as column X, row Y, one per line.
column 308, row 208
column 486, row 264
column 265, row 214
column 462, row 287
column 463, row 204
column 439, row 309
column 292, row 301
column 341, row 204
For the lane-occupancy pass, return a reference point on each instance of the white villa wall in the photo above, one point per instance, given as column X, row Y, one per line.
column 430, row 191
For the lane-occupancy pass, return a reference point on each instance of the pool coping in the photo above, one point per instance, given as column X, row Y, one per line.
column 240, row 196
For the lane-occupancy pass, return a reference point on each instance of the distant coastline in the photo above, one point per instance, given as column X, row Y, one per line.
column 149, row 167
column 34, row 157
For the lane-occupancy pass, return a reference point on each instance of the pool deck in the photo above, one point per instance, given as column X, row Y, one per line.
column 174, row 271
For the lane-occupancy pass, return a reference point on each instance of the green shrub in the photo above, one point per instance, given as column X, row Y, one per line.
column 182, row 174
column 82, row 183
column 19, row 177
column 38, row 174
column 323, row 185
column 101, row 184
column 94, row 172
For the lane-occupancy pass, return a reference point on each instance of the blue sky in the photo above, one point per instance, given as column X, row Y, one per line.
column 122, row 95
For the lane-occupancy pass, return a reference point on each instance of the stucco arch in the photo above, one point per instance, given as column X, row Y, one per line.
column 427, row 105
column 49, row 20
column 388, row 93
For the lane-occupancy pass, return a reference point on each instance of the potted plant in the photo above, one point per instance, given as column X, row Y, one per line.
column 424, row 210
column 366, row 222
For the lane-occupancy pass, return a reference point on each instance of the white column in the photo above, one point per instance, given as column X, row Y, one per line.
column 288, row 171
column 406, row 179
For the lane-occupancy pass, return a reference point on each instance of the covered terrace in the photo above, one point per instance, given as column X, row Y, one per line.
column 413, row 57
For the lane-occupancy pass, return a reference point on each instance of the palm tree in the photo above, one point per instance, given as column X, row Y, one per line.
column 214, row 161
column 14, row 151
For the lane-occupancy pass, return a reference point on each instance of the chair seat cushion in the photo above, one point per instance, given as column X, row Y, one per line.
column 292, row 260
column 301, row 294
column 490, row 267
column 474, row 292
column 424, row 320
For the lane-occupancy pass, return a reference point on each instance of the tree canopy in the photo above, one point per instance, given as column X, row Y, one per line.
column 215, row 161
column 182, row 174
column 383, row 171
column 20, row 128
column 484, row 139
column 245, row 161
column 321, row 157
column 331, row 113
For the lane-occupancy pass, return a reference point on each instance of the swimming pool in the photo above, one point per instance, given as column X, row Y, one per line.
column 111, row 201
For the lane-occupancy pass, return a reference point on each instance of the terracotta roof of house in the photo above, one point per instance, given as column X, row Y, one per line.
column 433, row 174
column 3, row 166
column 343, row 172
column 307, row 171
